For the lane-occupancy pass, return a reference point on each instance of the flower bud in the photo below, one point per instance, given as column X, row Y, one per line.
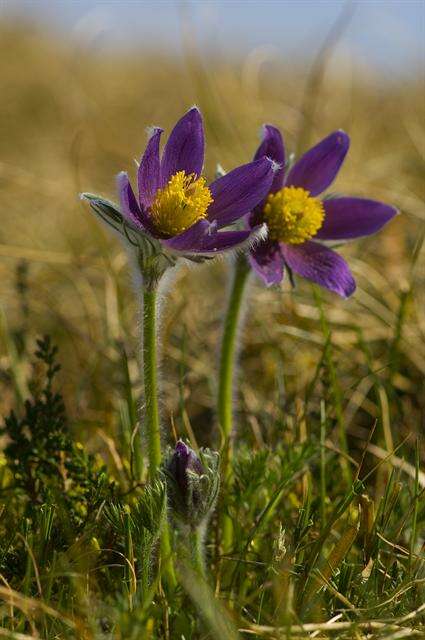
column 192, row 482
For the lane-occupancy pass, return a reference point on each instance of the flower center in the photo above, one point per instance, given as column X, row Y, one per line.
column 292, row 215
column 181, row 203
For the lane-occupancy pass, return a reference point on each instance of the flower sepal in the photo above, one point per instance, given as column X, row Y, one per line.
column 110, row 213
column 150, row 255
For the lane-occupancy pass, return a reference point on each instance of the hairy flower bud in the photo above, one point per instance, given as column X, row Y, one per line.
column 193, row 483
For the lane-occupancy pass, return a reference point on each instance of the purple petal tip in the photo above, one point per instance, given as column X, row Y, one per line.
column 182, row 448
column 152, row 130
column 342, row 138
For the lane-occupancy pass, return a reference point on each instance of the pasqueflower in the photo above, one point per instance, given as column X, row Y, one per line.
column 296, row 217
column 176, row 207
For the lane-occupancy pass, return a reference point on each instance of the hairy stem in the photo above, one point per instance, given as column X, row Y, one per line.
column 152, row 420
column 228, row 356
column 150, row 378
column 197, row 537
column 228, row 347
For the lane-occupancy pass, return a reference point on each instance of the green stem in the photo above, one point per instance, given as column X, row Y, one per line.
column 150, row 373
column 152, row 420
column 166, row 554
column 197, row 536
column 226, row 380
column 228, row 348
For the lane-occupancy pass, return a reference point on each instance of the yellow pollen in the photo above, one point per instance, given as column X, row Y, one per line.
column 181, row 203
column 292, row 215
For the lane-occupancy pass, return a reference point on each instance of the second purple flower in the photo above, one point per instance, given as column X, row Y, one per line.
column 296, row 217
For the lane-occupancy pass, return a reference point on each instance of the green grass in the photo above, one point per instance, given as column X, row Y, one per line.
column 78, row 542
column 326, row 497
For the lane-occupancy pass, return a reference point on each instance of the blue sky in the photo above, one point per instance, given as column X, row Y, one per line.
column 386, row 34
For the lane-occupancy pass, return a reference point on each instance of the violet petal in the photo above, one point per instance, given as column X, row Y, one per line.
column 240, row 190
column 184, row 150
column 347, row 218
column 267, row 261
column 225, row 241
column 320, row 265
column 129, row 205
column 191, row 239
column 221, row 241
column 272, row 147
column 149, row 173
column 317, row 168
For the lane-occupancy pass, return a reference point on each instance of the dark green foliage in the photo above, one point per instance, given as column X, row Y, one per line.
column 137, row 524
column 54, row 487
column 304, row 550
column 47, row 466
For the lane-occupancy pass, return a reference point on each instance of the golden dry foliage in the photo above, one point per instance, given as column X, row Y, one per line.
column 70, row 119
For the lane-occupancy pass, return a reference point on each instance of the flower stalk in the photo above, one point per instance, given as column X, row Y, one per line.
column 197, row 542
column 150, row 378
column 151, row 391
column 228, row 352
column 228, row 357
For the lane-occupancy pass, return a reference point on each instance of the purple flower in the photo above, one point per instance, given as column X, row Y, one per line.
column 192, row 483
column 176, row 207
column 294, row 214
column 184, row 460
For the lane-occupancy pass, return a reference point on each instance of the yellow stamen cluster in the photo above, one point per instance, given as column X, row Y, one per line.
column 292, row 215
column 181, row 203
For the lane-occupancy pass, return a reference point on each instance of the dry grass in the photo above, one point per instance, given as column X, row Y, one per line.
column 70, row 121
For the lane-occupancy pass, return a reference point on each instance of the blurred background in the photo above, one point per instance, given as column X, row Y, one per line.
column 80, row 82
